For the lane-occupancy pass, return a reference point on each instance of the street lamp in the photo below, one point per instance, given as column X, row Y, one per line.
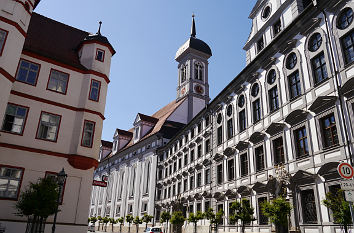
column 61, row 178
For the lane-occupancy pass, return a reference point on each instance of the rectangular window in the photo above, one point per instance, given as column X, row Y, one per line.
column 329, row 131
column 263, row 220
column 259, row 156
column 308, row 202
column 191, row 208
column 207, row 121
column 88, row 133
column 173, row 190
column 179, row 163
column 170, row 169
column 207, row 146
column 58, row 81
column 95, row 90
column 206, row 205
column 302, row 148
column 48, row 126
column 15, row 119
column 244, row 164
column 160, row 174
column 260, row 45
column 169, row 191
column 256, row 110
column 192, row 133
column 199, row 179
column 192, row 155
column 185, row 185
column 230, row 169
column 273, row 99
column 100, row 55
column 199, row 127
column 219, row 174
column 179, row 187
column 319, row 68
column 294, row 85
column 27, row 72
column 242, row 120
column 3, row 37
column 199, row 206
column 230, row 129
column 207, row 176
column 278, row 149
column 191, row 182
column 199, row 150
column 219, row 136
column 166, row 172
column 10, row 181
column 118, row 209
column 159, row 194
column 277, row 27
column 175, row 166
column 185, row 159
column 347, row 45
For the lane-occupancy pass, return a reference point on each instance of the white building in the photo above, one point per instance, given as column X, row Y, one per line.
column 292, row 104
column 131, row 167
column 53, row 85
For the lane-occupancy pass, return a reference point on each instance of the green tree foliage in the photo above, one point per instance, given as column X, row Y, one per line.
column 340, row 208
column 93, row 220
column 146, row 219
column 105, row 221
column 112, row 221
column 121, row 222
column 177, row 221
column 165, row 217
column 129, row 219
column 277, row 211
column 137, row 221
column 242, row 211
column 210, row 215
column 194, row 218
column 100, row 220
column 40, row 199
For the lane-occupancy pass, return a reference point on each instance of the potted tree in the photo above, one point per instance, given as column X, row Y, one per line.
column 340, row 208
column 38, row 202
column 129, row 219
column 146, row 219
column 277, row 212
column 93, row 220
column 112, row 221
column 121, row 222
column 165, row 217
column 177, row 221
column 137, row 221
column 209, row 215
column 242, row 211
column 194, row 218
column 99, row 219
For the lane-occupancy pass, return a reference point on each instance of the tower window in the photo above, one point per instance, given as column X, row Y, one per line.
column 48, row 126
column 100, row 55
column 15, row 118
column 3, row 36
column 95, row 90
column 198, row 71
column 183, row 74
column 87, row 134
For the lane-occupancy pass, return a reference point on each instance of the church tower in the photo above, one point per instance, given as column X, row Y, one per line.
column 192, row 58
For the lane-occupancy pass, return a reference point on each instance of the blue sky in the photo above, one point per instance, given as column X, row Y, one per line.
column 146, row 36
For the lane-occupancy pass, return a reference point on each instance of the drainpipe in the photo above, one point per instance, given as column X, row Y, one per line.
column 342, row 104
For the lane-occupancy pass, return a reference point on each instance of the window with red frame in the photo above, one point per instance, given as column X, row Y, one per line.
column 15, row 118
column 54, row 176
column 27, row 72
column 3, row 36
column 87, row 134
column 10, row 181
column 48, row 126
column 58, row 81
column 100, row 55
column 95, row 90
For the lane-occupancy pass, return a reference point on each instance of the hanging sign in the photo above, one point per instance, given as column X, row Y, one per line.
column 347, row 185
column 99, row 183
column 345, row 170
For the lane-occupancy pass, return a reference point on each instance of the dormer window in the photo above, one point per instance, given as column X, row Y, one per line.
column 100, row 55
column 198, row 71
column 136, row 133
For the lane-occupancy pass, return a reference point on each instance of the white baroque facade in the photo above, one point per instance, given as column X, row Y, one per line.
column 291, row 106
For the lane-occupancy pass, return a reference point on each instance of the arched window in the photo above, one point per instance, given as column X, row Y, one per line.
column 242, row 119
column 294, row 74
column 291, row 61
column 256, row 102
column 345, row 18
column 132, row 182
column 198, row 71
column 272, row 88
column 183, row 74
column 229, row 122
column 120, row 184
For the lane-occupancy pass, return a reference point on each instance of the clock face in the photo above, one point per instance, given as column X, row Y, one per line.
column 199, row 89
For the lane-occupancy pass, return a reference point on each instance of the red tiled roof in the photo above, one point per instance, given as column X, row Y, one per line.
column 162, row 123
column 54, row 40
